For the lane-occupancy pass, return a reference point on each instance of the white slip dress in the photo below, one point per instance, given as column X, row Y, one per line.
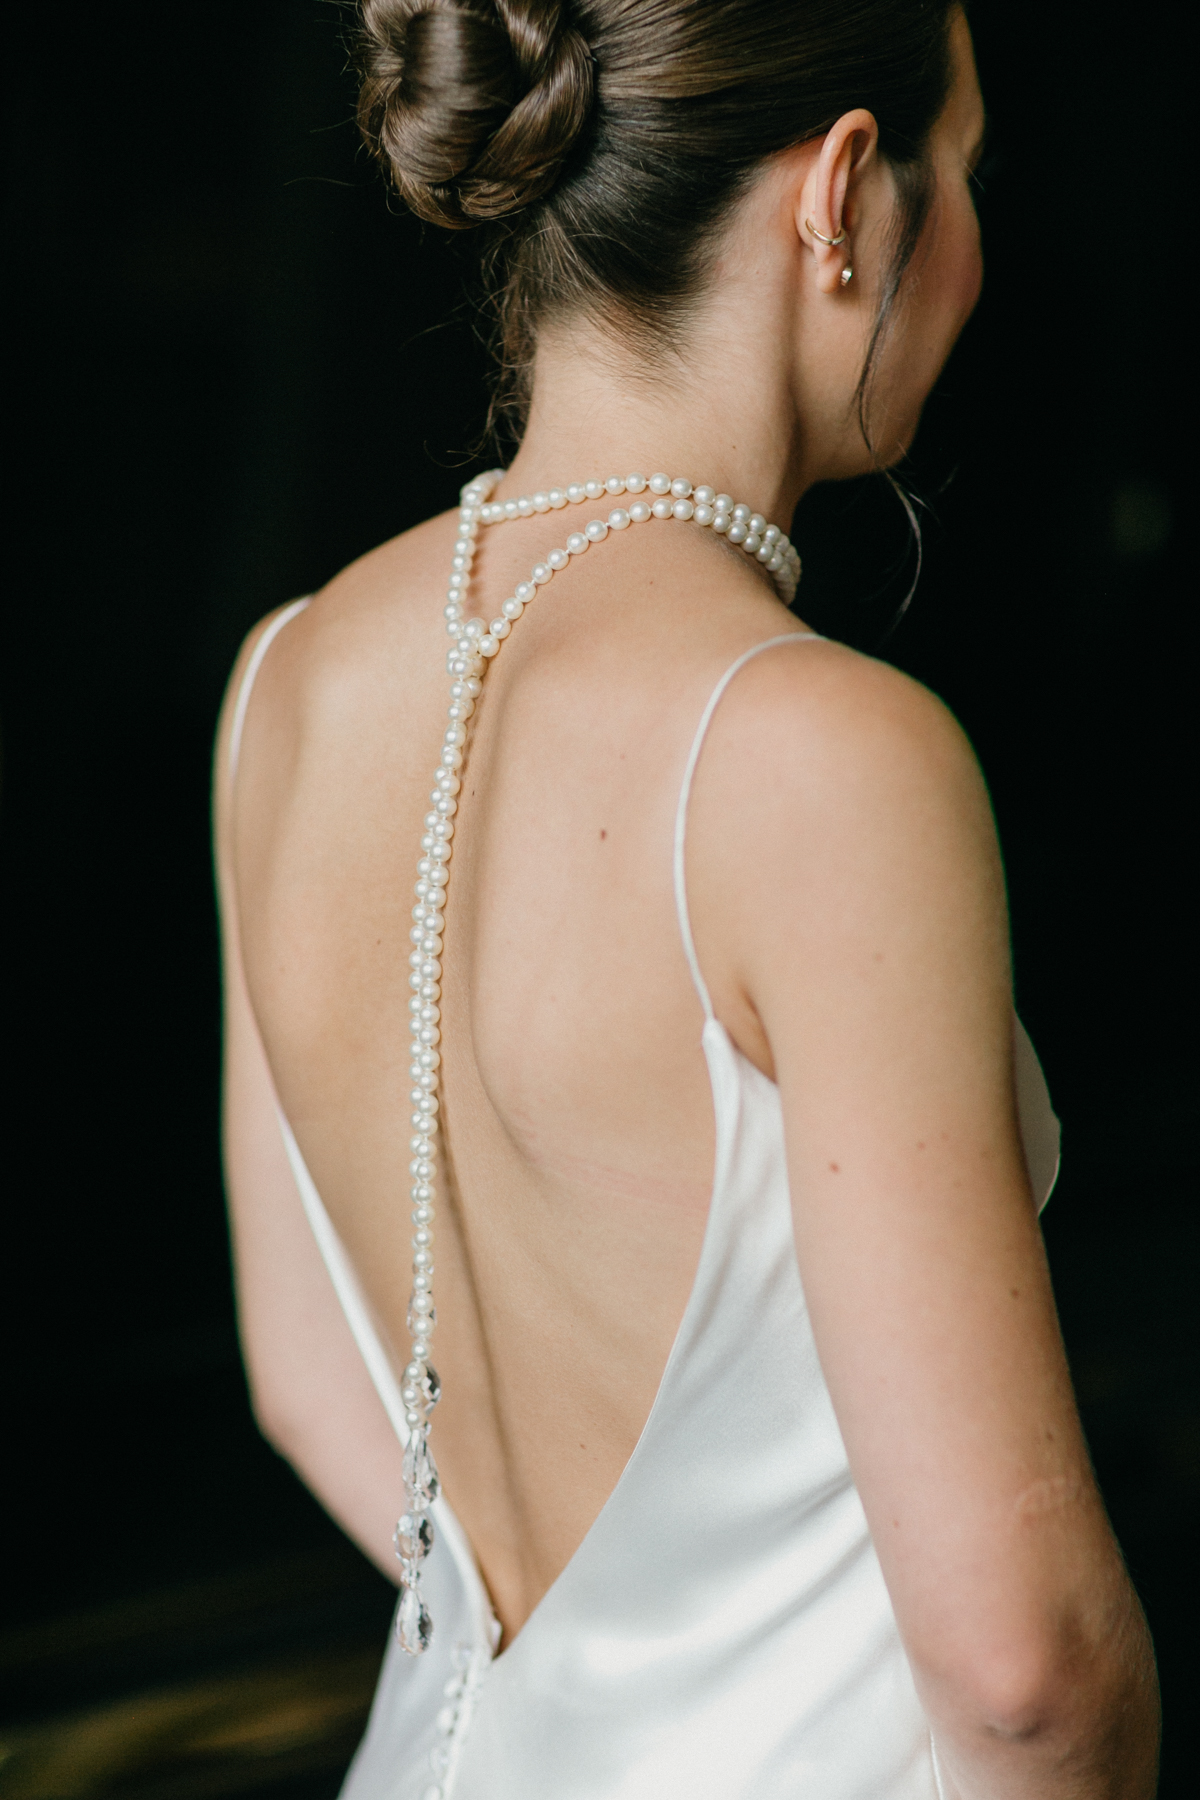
column 723, row 1632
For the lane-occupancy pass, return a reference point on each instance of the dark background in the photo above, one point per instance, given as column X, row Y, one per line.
column 235, row 367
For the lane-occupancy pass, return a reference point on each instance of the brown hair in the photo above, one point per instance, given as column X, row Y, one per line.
column 602, row 143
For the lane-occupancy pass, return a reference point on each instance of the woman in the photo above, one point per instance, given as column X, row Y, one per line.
column 765, row 1471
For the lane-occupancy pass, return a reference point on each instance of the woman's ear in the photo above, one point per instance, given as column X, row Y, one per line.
column 826, row 203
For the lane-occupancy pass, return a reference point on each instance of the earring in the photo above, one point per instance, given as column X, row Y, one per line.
column 820, row 235
column 847, row 275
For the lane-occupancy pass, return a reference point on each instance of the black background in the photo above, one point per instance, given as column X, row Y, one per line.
column 235, row 368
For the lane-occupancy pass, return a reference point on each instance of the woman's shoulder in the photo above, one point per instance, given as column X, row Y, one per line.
column 336, row 651
column 837, row 727
column 849, row 798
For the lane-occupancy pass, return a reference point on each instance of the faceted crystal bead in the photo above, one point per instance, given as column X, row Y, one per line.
column 420, row 1473
column 414, row 1627
column 421, row 1386
column 413, row 1537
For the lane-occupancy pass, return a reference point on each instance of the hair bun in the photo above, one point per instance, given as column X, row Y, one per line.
column 472, row 104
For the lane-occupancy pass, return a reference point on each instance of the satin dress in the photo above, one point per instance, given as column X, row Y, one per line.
column 723, row 1632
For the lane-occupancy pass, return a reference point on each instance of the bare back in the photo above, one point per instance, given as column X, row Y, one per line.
column 577, row 1109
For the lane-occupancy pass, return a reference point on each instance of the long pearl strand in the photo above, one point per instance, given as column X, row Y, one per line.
column 475, row 644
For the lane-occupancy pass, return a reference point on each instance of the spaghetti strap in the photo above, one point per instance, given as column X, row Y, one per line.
column 282, row 618
column 681, row 905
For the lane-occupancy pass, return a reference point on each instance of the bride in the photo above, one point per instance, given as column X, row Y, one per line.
column 617, row 983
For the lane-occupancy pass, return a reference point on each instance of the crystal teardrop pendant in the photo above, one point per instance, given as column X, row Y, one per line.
column 421, row 1483
column 414, row 1627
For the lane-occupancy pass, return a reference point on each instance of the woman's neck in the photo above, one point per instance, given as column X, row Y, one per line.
column 588, row 418
column 724, row 408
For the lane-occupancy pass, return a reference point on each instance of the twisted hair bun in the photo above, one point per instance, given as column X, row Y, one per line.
column 472, row 105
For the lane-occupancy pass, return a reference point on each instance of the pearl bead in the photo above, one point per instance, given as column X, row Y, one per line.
column 740, row 514
column 524, row 506
column 757, row 524
column 737, row 533
column 662, row 509
column 541, row 575
column 723, row 502
column 577, row 543
column 660, row 484
column 635, row 484
column 773, row 535
column 703, row 514
column 541, row 502
column 614, row 485
column 639, row 512
column 558, row 559
column 474, row 628
column 511, row 509
column 721, row 523
column 704, row 495
column 525, row 591
column 512, row 609
column 764, row 552
column 683, row 509
column 596, row 530
column 499, row 629
column 557, row 498
column 488, row 645
column 752, row 542
column 618, row 519
column 593, row 489
column 576, row 493
column 681, row 487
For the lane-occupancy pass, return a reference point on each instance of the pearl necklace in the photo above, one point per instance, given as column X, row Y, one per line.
column 475, row 644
